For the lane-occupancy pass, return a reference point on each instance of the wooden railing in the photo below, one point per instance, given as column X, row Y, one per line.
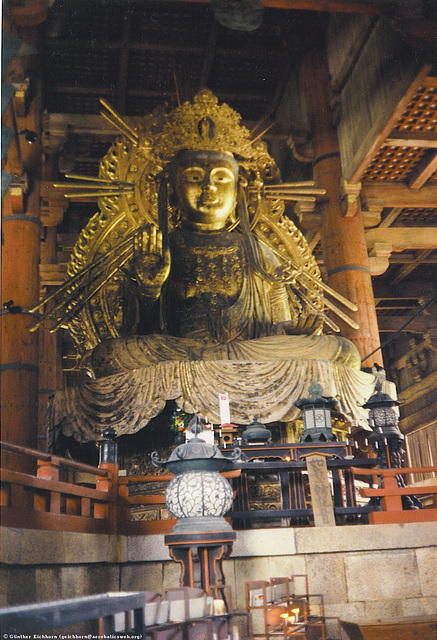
column 160, row 520
column 106, row 503
column 293, row 501
column 390, row 494
column 51, row 500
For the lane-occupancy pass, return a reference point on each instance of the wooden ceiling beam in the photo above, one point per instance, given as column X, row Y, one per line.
column 392, row 324
column 391, row 216
column 423, row 171
column 412, row 305
column 97, row 45
column 95, row 91
column 399, row 194
column 404, row 238
column 421, row 139
column 409, row 258
column 410, row 290
column 405, row 271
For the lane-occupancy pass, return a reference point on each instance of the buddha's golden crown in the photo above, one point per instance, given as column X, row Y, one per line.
column 204, row 125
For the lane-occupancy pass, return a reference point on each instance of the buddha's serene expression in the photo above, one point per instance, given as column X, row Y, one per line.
column 205, row 183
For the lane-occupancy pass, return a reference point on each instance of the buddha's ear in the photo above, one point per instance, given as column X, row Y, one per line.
column 232, row 220
column 242, row 181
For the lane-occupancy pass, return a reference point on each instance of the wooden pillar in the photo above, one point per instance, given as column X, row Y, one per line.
column 20, row 279
column 343, row 240
column 51, row 379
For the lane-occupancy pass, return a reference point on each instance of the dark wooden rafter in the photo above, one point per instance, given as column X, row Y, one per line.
column 410, row 290
column 423, row 171
column 405, row 271
column 71, row 90
column 123, row 62
column 395, row 305
column 423, row 139
column 392, row 324
column 408, row 258
column 208, row 56
column 79, row 45
column 390, row 217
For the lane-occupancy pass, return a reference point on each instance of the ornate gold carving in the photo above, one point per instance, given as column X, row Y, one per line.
column 204, row 125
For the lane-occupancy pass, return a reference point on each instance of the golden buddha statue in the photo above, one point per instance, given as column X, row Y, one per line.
column 191, row 260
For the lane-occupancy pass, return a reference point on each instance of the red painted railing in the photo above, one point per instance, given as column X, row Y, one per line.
column 391, row 494
column 161, row 523
column 102, row 502
column 51, row 500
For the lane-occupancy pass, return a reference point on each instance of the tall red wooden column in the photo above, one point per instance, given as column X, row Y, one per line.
column 20, row 264
column 343, row 241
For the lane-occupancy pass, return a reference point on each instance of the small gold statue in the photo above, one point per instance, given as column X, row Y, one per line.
column 190, row 242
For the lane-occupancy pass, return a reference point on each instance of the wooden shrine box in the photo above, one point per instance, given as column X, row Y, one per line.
column 408, row 628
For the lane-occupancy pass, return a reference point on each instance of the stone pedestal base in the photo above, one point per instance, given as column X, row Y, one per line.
column 200, row 556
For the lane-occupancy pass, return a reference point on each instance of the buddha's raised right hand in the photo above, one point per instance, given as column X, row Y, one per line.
column 151, row 263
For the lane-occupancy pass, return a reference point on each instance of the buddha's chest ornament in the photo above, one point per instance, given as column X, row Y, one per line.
column 207, row 268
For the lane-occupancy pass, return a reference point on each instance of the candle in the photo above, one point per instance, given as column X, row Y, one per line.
column 219, row 607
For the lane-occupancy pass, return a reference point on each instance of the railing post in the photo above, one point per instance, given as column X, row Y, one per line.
column 123, row 508
column 49, row 470
column 390, row 502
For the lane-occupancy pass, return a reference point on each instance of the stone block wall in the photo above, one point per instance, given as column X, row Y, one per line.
column 377, row 571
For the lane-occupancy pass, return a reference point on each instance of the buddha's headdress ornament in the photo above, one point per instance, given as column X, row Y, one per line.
column 206, row 125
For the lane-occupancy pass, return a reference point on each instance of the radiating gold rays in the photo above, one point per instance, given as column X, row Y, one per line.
column 306, row 280
column 89, row 187
column 110, row 114
column 78, row 289
column 293, row 191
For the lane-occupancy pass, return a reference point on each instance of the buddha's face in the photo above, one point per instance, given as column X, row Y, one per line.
column 206, row 186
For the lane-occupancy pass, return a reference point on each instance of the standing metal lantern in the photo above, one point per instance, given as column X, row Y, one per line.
column 316, row 414
column 386, row 438
column 199, row 497
column 108, row 452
